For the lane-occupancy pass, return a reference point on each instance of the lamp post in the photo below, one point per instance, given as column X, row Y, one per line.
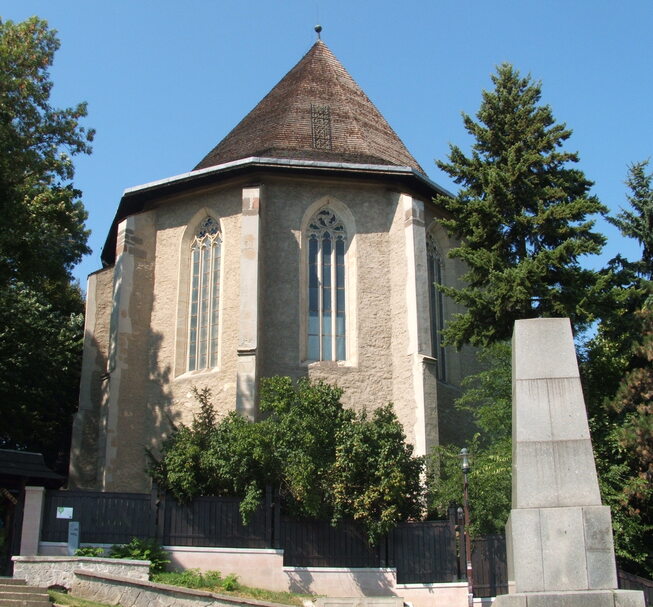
column 464, row 464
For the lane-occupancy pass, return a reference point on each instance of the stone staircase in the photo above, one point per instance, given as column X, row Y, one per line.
column 16, row 593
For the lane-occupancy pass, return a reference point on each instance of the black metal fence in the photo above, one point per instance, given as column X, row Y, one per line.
column 424, row 552
column 489, row 566
column 421, row 552
column 628, row 581
column 209, row 521
column 104, row 518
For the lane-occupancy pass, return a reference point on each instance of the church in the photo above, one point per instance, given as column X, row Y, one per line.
column 304, row 244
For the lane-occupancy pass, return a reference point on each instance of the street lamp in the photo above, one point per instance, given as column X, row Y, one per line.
column 464, row 464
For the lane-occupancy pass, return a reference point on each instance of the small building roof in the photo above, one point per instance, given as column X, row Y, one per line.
column 316, row 112
column 30, row 467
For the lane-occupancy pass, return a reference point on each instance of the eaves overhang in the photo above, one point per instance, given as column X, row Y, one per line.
column 135, row 199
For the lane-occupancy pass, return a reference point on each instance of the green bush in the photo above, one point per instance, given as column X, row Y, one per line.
column 89, row 551
column 142, row 550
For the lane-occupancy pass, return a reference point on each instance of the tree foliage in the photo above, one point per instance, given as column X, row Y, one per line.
column 375, row 477
column 487, row 396
column 40, row 359
column 326, row 461
column 521, row 216
column 42, row 237
column 43, row 233
column 637, row 222
column 617, row 374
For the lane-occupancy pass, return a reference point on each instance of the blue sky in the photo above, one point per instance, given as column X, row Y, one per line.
column 165, row 81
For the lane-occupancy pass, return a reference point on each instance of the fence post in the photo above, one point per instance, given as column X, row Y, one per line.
column 462, row 551
column 32, row 521
column 269, row 538
column 383, row 549
column 276, row 525
column 161, row 518
column 154, row 507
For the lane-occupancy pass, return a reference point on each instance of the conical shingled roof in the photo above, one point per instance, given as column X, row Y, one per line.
column 316, row 112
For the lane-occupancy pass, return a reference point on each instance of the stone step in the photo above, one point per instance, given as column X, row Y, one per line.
column 12, row 581
column 15, row 592
column 39, row 594
column 26, row 602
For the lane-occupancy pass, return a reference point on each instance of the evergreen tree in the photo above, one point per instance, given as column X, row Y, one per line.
column 521, row 217
column 638, row 222
column 618, row 383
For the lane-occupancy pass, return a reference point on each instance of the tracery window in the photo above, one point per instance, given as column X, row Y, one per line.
column 204, row 310
column 436, row 306
column 327, row 244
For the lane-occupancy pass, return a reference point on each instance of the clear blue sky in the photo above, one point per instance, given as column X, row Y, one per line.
column 166, row 80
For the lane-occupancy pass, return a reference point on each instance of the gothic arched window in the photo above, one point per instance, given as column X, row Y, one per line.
column 327, row 244
column 204, row 309
column 436, row 305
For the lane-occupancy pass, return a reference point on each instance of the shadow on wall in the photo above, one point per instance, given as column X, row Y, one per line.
column 144, row 421
column 374, row 585
column 300, row 581
column 369, row 582
column 159, row 400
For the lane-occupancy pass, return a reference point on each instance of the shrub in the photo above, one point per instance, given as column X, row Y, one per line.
column 89, row 551
column 142, row 550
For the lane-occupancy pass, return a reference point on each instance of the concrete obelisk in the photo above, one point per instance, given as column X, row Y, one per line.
column 560, row 548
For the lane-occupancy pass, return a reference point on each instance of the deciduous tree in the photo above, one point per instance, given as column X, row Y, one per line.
column 42, row 237
column 326, row 461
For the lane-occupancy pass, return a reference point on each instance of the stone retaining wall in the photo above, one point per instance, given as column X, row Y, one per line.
column 128, row 592
column 48, row 571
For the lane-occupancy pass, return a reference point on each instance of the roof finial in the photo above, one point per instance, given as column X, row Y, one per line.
column 318, row 29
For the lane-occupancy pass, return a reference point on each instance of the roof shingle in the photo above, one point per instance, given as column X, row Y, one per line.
column 282, row 124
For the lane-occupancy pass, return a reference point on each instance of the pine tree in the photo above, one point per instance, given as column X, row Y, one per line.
column 521, row 216
column 638, row 222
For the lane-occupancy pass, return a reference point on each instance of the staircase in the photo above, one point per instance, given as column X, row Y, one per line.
column 16, row 593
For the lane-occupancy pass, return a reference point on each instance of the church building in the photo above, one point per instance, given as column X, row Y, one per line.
column 305, row 244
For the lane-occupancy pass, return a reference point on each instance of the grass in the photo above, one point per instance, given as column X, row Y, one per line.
column 229, row 585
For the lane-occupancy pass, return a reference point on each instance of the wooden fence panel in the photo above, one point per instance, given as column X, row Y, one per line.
column 423, row 552
column 318, row 544
column 104, row 518
column 214, row 521
column 489, row 566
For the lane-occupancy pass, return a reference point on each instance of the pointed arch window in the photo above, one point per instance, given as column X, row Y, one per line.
column 204, row 309
column 327, row 245
column 436, row 305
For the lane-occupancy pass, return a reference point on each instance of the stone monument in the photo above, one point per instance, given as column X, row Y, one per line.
column 559, row 536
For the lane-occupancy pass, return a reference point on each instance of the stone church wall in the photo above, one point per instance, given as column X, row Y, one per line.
column 135, row 384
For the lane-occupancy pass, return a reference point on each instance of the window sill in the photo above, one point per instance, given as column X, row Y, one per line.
column 196, row 373
column 328, row 364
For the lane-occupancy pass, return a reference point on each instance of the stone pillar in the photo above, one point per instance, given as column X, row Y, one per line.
column 560, row 548
column 124, row 415
column 247, row 378
column 417, row 313
column 32, row 519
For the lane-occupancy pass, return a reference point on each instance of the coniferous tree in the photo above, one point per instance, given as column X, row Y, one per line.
column 638, row 222
column 521, row 216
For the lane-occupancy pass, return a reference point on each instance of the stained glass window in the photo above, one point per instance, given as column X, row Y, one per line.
column 436, row 306
column 327, row 243
column 204, row 296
